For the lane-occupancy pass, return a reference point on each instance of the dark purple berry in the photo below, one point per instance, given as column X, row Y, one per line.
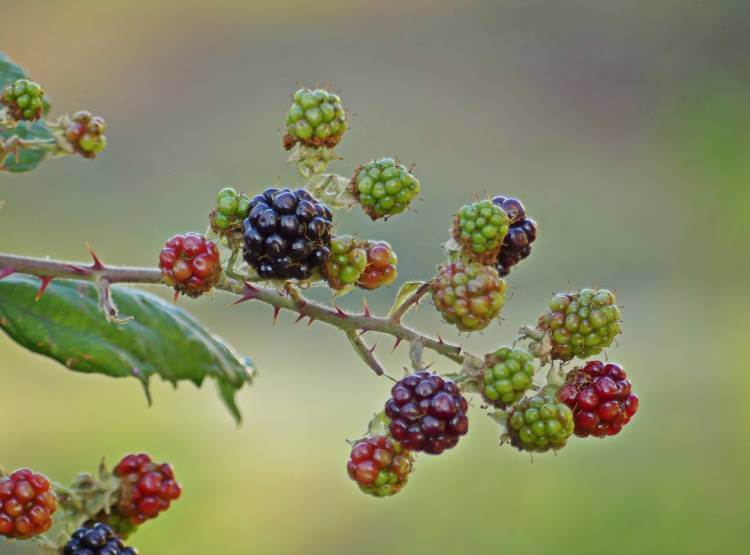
column 521, row 234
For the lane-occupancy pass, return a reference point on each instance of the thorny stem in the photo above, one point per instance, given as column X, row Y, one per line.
column 353, row 325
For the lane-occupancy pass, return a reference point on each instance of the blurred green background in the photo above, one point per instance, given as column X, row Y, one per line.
column 624, row 127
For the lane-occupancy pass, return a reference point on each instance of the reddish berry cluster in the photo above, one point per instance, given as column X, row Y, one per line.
column 86, row 133
column 381, row 266
column 601, row 398
column 146, row 488
column 26, row 505
column 190, row 263
column 380, row 466
column 427, row 412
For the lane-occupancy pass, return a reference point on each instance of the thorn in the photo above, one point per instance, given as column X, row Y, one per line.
column 276, row 311
column 339, row 311
column 367, row 308
column 362, row 331
column 372, row 349
column 428, row 366
column 312, row 320
column 80, row 270
column 248, row 294
column 176, row 296
column 43, row 287
column 97, row 263
column 398, row 342
column 5, row 272
column 440, row 340
column 299, row 318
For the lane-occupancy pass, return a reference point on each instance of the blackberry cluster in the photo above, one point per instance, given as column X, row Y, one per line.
column 27, row 503
column 381, row 266
column 96, row 539
column 347, row 262
column 601, row 398
column 190, row 264
column 540, row 423
column 384, row 187
column 506, row 376
column 146, row 489
column 86, row 133
column 581, row 323
column 316, row 119
column 480, row 229
column 287, row 234
column 427, row 412
column 468, row 294
column 521, row 234
column 226, row 219
column 24, row 100
column 380, row 466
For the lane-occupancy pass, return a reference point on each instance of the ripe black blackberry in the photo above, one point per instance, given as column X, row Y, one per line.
column 96, row 539
column 521, row 234
column 287, row 234
column 427, row 412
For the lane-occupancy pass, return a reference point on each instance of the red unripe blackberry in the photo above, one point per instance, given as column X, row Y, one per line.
column 521, row 234
column 287, row 234
column 601, row 397
column 380, row 466
column 27, row 503
column 190, row 264
column 468, row 294
column 381, row 266
column 146, row 489
column 86, row 134
column 427, row 412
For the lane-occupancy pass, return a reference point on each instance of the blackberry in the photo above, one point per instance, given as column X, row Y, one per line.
column 190, row 264
column 427, row 412
column 601, row 397
column 380, row 466
column 287, row 234
column 347, row 262
column 24, row 100
column 146, row 489
column 86, row 134
column 540, row 423
column 578, row 324
column 226, row 218
column 27, row 503
column 96, row 539
column 384, row 187
column 381, row 266
column 480, row 229
column 521, row 234
column 468, row 295
column 506, row 376
column 316, row 119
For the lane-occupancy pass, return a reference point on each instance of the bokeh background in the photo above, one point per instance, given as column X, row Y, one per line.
column 625, row 128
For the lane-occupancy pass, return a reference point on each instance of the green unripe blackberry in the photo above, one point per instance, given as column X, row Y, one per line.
column 347, row 262
column 315, row 119
column 468, row 294
column 507, row 375
column 86, row 134
column 580, row 324
column 540, row 423
column 480, row 229
column 24, row 100
column 226, row 219
column 384, row 187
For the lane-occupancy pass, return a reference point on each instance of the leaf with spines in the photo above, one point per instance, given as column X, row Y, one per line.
column 67, row 324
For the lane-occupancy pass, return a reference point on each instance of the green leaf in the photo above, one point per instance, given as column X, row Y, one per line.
column 406, row 290
column 10, row 72
column 25, row 159
column 66, row 324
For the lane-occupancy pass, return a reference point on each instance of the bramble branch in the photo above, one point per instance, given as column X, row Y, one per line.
column 291, row 299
